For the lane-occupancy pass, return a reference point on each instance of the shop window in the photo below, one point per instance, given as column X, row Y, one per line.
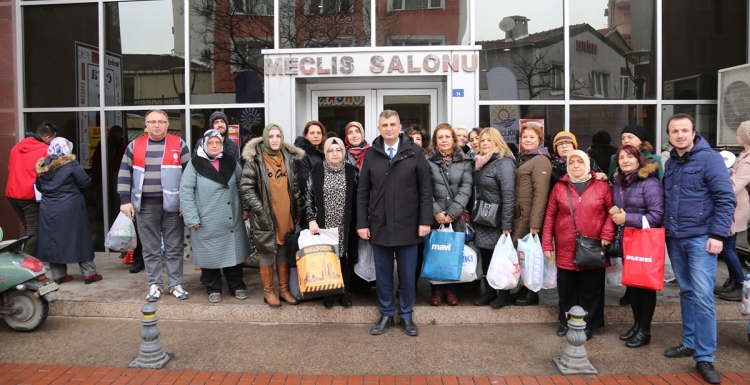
column 506, row 119
column 330, row 6
column 600, row 83
column 408, row 5
column 398, row 41
column 254, row 7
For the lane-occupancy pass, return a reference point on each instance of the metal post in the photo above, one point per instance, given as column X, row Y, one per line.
column 574, row 359
column 151, row 355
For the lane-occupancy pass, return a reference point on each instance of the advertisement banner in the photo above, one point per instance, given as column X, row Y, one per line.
column 88, row 78
column 505, row 119
column 233, row 130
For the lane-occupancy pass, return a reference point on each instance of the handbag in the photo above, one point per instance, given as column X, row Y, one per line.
column 589, row 251
column 614, row 249
column 484, row 213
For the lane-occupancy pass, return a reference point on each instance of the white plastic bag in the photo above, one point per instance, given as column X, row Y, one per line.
column 365, row 266
column 668, row 271
column 746, row 295
column 468, row 269
column 550, row 273
column 531, row 260
column 504, row 272
column 614, row 272
column 324, row 237
column 121, row 237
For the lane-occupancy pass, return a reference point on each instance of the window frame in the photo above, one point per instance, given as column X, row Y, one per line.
column 243, row 10
column 402, row 3
column 605, row 78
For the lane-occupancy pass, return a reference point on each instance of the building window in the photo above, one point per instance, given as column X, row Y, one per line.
column 330, row 43
column 408, row 5
column 402, row 41
column 330, row 6
column 254, row 7
column 557, row 78
column 600, row 81
column 246, row 55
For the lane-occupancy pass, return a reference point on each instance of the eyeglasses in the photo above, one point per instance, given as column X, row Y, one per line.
column 564, row 144
column 335, row 151
column 152, row 122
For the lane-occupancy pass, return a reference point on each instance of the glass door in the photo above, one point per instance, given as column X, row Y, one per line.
column 416, row 108
column 336, row 108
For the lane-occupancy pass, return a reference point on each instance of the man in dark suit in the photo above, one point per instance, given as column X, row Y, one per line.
column 394, row 212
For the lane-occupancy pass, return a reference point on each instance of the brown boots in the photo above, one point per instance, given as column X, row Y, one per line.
column 282, row 270
column 269, row 294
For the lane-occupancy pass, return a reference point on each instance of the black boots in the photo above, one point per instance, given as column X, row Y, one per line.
column 489, row 295
column 526, row 297
column 641, row 338
column 630, row 333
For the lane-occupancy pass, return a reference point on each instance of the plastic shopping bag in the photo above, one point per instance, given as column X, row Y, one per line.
column 121, row 237
column 504, row 272
column 324, row 237
column 365, row 266
column 746, row 295
column 614, row 272
column 550, row 273
column 443, row 255
column 468, row 269
column 531, row 260
column 668, row 271
column 319, row 271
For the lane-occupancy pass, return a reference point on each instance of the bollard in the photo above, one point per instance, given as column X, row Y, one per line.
column 575, row 359
column 151, row 355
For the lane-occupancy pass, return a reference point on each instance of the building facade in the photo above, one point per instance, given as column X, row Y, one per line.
column 581, row 66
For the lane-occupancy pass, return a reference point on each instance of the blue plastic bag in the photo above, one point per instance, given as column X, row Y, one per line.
column 443, row 255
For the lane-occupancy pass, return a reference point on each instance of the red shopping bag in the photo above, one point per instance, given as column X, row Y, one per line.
column 643, row 258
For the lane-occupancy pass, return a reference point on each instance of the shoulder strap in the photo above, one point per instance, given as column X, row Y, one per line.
column 570, row 203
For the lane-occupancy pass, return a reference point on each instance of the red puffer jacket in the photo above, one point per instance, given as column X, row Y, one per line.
column 592, row 218
column 22, row 167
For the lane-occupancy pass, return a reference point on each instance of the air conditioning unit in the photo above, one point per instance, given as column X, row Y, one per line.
column 734, row 103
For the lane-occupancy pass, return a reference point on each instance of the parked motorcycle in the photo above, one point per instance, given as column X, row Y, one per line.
column 25, row 290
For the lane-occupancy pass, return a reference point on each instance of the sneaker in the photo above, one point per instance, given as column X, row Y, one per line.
column 179, row 292
column 240, row 294
column 679, row 351
column 709, row 373
column 154, row 293
column 213, row 297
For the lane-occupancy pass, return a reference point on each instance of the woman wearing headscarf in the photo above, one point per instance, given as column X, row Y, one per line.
column 591, row 200
column 64, row 235
column 565, row 143
column 451, row 176
column 532, row 188
column 356, row 145
column 638, row 192
column 270, row 188
column 494, row 182
column 213, row 211
column 330, row 202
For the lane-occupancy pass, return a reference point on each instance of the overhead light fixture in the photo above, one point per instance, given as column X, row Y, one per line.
column 506, row 49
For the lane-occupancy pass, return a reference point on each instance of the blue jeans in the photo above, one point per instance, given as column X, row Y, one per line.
column 406, row 259
column 695, row 270
column 729, row 254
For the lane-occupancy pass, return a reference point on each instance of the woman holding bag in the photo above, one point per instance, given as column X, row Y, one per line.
column 494, row 185
column 578, row 205
column 639, row 194
column 450, row 173
column 330, row 199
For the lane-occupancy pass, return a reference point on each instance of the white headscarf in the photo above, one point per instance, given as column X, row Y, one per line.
column 59, row 147
column 207, row 135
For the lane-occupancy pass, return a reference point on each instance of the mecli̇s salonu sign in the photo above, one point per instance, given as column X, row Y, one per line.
column 335, row 65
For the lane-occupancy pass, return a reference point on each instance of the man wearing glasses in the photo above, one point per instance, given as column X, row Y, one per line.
column 148, row 184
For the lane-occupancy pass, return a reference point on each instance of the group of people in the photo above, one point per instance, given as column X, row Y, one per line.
column 392, row 193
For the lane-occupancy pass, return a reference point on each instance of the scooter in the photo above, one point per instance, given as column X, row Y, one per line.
column 25, row 290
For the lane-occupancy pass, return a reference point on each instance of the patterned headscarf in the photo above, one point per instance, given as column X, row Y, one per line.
column 59, row 147
column 200, row 151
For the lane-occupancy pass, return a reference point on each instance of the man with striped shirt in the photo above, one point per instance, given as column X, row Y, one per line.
column 148, row 184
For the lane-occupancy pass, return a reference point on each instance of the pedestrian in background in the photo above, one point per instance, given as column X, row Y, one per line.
column 330, row 201
column 213, row 211
column 270, row 188
column 219, row 122
column 638, row 192
column 64, row 235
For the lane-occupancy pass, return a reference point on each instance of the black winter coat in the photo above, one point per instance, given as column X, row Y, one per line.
column 64, row 235
column 313, row 157
column 496, row 183
column 394, row 197
column 459, row 179
column 315, row 207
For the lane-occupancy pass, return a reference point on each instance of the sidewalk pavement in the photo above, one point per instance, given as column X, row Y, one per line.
column 25, row 374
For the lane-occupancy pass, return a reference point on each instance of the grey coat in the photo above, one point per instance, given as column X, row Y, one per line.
column 454, row 196
column 212, row 199
column 255, row 194
column 496, row 183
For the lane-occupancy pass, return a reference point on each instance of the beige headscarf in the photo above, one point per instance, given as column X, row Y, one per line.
column 587, row 167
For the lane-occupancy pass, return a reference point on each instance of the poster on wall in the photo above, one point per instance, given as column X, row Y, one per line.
column 88, row 77
column 234, row 133
column 505, row 119
column 536, row 122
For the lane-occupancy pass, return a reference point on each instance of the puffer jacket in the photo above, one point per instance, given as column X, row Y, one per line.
column 496, row 183
column 656, row 158
column 21, row 167
column 256, row 196
column 740, row 180
column 698, row 194
column 312, row 157
column 454, row 196
column 643, row 196
column 592, row 219
column 532, row 189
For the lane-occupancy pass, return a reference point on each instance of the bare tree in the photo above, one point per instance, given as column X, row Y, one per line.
column 538, row 75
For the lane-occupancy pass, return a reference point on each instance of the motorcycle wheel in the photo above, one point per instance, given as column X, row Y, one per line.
column 31, row 312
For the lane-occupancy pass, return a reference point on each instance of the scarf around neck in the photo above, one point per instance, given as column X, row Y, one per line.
column 481, row 160
column 358, row 152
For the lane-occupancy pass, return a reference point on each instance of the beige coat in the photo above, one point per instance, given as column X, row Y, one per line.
column 532, row 191
column 741, row 178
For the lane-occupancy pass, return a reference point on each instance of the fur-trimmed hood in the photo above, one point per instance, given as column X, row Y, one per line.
column 41, row 169
column 458, row 155
column 650, row 169
column 252, row 149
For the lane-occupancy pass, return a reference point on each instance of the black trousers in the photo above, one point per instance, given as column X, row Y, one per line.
column 643, row 304
column 211, row 278
column 584, row 288
column 138, row 251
